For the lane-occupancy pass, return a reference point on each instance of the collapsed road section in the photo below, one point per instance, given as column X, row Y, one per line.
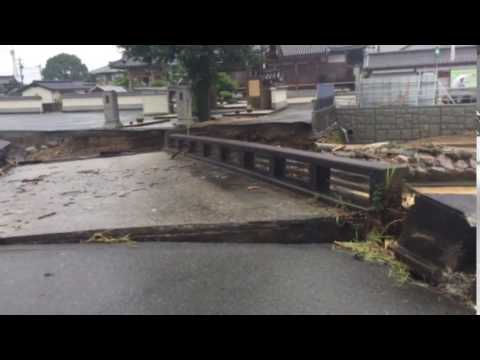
column 152, row 197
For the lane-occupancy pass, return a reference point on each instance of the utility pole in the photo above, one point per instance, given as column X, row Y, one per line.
column 478, row 90
column 20, row 66
column 14, row 63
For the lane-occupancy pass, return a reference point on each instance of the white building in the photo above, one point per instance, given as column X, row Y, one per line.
column 51, row 92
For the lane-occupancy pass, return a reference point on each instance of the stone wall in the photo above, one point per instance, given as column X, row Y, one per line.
column 400, row 123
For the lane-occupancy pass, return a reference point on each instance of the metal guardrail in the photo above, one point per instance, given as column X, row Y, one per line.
column 350, row 182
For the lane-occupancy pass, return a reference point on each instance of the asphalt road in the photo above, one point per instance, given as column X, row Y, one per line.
column 95, row 120
column 60, row 121
column 165, row 278
column 294, row 113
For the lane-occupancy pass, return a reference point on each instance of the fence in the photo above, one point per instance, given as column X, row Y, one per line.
column 350, row 182
column 413, row 91
column 373, row 92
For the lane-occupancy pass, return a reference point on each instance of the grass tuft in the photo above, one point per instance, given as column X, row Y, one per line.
column 101, row 238
column 376, row 250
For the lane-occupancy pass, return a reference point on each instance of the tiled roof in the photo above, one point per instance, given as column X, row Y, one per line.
column 62, row 85
column 301, row 50
column 7, row 79
column 126, row 62
column 105, row 70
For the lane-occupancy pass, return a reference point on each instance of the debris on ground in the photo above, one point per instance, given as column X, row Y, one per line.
column 334, row 134
column 89, row 172
column 254, row 188
column 31, row 149
column 35, row 180
column 460, row 286
column 425, row 162
column 101, row 238
column 47, row 216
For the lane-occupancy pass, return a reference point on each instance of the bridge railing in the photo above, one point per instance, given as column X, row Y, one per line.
column 352, row 182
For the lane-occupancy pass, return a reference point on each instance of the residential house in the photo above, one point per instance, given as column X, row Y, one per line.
column 140, row 73
column 51, row 92
column 441, row 59
column 445, row 69
column 7, row 84
column 305, row 65
column 107, row 76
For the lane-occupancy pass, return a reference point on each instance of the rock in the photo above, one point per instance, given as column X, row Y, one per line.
column 44, row 147
column 462, row 165
column 429, row 150
column 421, row 173
column 30, row 149
column 445, row 162
column 427, row 160
column 384, row 151
column 325, row 147
column 438, row 174
column 402, row 159
column 410, row 153
column 452, row 155
column 52, row 143
column 464, row 155
column 473, row 164
column 376, row 146
column 411, row 172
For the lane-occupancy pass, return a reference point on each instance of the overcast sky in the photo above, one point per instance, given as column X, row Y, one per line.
column 94, row 56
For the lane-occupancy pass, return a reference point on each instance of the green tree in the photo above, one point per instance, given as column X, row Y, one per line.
column 123, row 81
column 201, row 63
column 65, row 67
column 225, row 87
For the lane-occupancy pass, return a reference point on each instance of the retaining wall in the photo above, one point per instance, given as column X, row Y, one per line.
column 400, row 123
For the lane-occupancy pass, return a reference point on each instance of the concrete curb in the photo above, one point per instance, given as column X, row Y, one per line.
column 315, row 230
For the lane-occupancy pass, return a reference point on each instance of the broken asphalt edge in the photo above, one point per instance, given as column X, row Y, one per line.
column 300, row 231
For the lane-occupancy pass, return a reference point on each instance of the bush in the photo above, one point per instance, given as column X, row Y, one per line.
column 226, row 83
column 121, row 82
column 225, row 96
column 159, row 83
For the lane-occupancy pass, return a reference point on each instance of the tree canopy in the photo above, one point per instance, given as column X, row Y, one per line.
column 200, row 62
column 65, row 67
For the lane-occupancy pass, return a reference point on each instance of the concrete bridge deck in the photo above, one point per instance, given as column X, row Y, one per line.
column 140, row 191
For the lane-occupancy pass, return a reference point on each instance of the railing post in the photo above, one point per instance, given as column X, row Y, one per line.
column 207, row 149
column 319, row 178
column 277, row 167
column 224, row 154
column 247, row 160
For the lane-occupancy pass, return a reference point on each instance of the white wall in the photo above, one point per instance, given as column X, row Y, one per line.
column 155, row 104
column 130, row 102
column 16, row 105
column 95, row 102
column 337, row 58
column 82, row 103
column 279, row 98
column 48, row 97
